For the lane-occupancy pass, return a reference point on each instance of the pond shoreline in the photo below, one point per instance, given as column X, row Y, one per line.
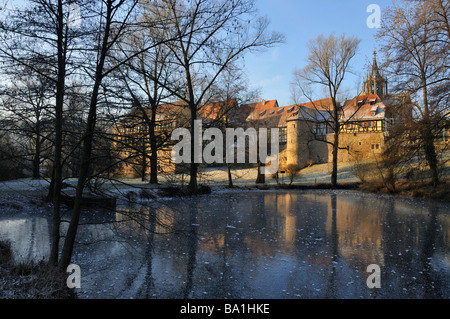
column 314, row 235
column 411, row 190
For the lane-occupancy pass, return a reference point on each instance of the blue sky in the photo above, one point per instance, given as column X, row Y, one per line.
column 301, row 21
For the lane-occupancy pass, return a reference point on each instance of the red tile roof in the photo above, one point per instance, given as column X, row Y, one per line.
column 320, row 105
column 214, row 110
column 361, row 107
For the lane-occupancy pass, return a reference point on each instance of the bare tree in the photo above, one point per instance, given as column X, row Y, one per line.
column 109, row 33
column 328, row 63
column 232, row 90
column 145, row 78
column 415, row 38
column 39, row 37
column 211, row 35
column 26, row 102
column 115, row 21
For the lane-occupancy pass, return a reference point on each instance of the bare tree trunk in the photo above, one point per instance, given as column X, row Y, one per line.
column 430, row 153
column 144, row 164
column 230, row 179
column 154, row 149
column 87, row 146
column 335, row 159
column 36, row 157
column 260, row 178
column 85, row 160
column 428, row 138
column 193, row 169
column 57, row 164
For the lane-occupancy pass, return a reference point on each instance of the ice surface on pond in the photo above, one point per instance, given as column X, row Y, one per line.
column 254, row 244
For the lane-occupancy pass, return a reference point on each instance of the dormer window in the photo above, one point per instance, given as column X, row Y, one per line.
column 262, row 113
column 291, row 109
column 373, row 110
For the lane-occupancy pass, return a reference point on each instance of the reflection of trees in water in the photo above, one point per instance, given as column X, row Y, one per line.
column 137, row 226
column 432, row 282
column 408, row 246
column 333, row 241
column 148, row 286
column 192, row 248
column 331, row 232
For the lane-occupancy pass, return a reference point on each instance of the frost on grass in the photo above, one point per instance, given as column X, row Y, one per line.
column 30, row 280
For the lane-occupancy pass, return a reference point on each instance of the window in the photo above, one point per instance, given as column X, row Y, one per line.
column 262, row 113
column 321, row 129
column 375, row 147
column 373, row 110
column 283, row 135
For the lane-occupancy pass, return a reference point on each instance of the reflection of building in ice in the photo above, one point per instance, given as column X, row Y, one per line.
column 211, row 242
column 284, row 204
column 139, row 221
column 359, row 231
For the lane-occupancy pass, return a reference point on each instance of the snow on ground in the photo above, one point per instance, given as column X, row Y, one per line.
column 215, row 177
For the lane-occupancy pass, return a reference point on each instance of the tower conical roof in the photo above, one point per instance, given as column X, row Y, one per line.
column 375, row 70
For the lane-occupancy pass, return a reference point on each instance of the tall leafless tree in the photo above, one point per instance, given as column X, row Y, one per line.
column 328, row 64
column 26, row 103
column 115, row 21
column 145, row 78
column 415, row 37
column 210, row 36
column 39, row 37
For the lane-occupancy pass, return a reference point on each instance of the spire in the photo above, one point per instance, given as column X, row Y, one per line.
column 375, row 83
column 374, row 64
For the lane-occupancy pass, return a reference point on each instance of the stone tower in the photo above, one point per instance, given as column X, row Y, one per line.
column 375, row 82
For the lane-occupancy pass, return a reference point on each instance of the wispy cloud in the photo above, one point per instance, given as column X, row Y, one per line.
column 269, row 82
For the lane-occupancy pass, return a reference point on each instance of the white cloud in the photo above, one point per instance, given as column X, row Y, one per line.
column 269, row 82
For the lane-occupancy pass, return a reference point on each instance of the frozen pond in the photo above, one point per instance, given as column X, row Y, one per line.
column 255, row 244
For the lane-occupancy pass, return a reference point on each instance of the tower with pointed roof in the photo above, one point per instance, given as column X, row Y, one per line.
column 375, row 82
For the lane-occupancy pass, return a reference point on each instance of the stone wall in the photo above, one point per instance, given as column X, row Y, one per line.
column 297, row 151
column 302, row 148
column 319, row 151
column 359, row 146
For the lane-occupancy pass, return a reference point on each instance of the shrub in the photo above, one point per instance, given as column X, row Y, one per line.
column 275, row 176
column 30, row 280
column 292, row 172
column 145, row 194
column 131, row 195
column 5, row 253
column 174, row 191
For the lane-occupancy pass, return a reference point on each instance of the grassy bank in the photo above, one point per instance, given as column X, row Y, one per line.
column 30, row 280
column 350, row 176
column 420, row 189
